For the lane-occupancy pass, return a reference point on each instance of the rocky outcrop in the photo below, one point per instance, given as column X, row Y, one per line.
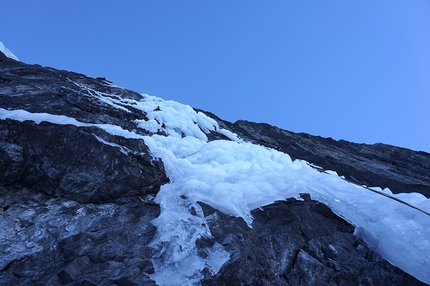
column 46, row 90
column 61, row 242
column 84, row 164
column 74, row 199
column 76, row 202
column 399, row 169
column 54, row 241
column 297, row 243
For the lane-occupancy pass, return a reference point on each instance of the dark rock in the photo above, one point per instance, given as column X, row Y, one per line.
column 76, row 201
column 297, row 243
column 64, row 242
column 84, row 164
column 39, row 89
column 305, row 197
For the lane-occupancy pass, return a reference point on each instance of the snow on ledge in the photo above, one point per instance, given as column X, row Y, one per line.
column 7, row 52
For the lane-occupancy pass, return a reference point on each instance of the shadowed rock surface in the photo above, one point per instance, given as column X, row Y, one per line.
column 53, row 241
column 76, row 162
column 297, row 243
column 41, row 89
column 76, row 202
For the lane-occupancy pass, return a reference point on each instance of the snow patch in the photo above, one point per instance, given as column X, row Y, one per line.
column 7, row 52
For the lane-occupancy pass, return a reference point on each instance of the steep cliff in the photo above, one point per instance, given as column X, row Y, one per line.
column 78, row 181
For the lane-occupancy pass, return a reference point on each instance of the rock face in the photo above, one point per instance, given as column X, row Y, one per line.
column 73, row 200
column 76, row 163
column 297, row 243
column 53, row 241
column 61, row 159
column 76, row 201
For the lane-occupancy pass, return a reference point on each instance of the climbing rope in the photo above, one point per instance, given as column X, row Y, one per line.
column 321, row 170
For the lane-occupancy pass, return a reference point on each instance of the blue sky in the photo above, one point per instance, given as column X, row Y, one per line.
column 353, row 70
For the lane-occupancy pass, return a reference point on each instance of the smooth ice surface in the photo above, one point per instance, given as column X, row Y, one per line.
column 236, row 177
column 7, row 52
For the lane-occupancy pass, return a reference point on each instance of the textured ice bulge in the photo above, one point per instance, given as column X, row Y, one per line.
column 236, row 177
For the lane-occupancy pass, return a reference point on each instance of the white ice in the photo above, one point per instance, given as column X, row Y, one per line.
column 7, row 52
column 236, row 177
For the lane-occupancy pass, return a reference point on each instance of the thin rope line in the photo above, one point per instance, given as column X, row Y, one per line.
column 321, row 170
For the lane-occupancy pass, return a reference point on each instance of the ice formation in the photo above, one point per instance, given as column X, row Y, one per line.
column 236, row 177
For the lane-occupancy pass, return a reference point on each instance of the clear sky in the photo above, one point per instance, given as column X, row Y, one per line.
column 353, row 70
